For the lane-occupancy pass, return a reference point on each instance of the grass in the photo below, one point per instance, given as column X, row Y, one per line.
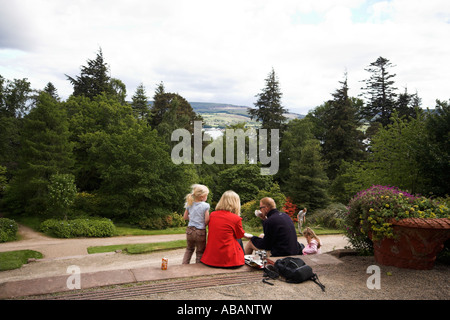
column 15, row 259
column 140, row 247
column 170, row 245
column 323, row 231
column 128, row 230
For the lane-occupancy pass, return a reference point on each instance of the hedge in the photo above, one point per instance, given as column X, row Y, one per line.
column 8, row 230
column 81, row 227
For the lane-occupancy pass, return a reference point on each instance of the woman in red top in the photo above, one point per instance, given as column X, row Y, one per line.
column 224, row 229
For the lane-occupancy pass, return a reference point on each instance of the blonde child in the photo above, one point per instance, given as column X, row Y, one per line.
column 197, row 212
column 313, row 242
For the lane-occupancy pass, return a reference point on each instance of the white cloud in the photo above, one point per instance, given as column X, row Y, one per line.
column 222, row 51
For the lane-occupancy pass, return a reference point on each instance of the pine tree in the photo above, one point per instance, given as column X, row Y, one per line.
column 408, row 105
column 269, row 110
column 379, row 92
column 342, row 141
column 45, row 150
column 302, row 171
column 51, row 90
column 93, row 79
column 140, row 103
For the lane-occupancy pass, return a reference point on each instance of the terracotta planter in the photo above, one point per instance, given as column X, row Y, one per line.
column 415, row 245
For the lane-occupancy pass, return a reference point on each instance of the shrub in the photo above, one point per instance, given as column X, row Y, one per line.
column 8, row 230
column 172, row 220
column 61, row 193
column 78, row 228
column 330, row 217
column 291, row 209
column 248, row 208
column 88, row 203
column 248, row 214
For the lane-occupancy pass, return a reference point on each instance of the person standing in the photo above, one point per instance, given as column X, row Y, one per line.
column 301, row 219
column 197, row 212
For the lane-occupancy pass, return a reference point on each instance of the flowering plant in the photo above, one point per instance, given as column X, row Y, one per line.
column 372, row 211
column 290, row 209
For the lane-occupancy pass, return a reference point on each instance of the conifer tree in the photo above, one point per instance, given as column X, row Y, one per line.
column 408, row 105
column 380, row 92
column 269, row 110
column 301, row 166
column 140, row 103
column 45, row 150
column 342, row 141
column 51, row 90
column 93, row 79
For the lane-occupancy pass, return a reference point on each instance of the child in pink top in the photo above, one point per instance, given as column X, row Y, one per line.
column 313, row 242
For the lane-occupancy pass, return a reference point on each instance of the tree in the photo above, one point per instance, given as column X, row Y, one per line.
column 341, row 140
column 93, row 79
column 397, row 152
column 118, row 90
column 408, row 105
column 171, row 111
column 51, row 90
column 15, row 97
column 86, row 117
column 303, row 175
column 140, row 103
column 379, row 92
column 269, row 110
column 245, row 179
column 435, row 162
column 138, row 178
column 45, row 150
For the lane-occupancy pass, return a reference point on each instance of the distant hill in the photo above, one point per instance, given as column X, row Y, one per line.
column 219, row 115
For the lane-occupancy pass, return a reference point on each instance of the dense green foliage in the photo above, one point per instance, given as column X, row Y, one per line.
column 8, row 229
column 81, row 227
column 97, row 155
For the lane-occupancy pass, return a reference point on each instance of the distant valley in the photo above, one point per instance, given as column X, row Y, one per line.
column 219, row 115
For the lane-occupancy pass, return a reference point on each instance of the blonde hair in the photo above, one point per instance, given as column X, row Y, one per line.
column 309, row 232
column 198, row 190
column 269, row 203
column 230, row 201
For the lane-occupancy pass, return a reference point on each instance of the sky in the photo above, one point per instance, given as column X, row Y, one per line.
column 222, row 51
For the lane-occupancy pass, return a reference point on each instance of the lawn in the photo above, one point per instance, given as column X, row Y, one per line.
column 15, row 259
column 140, row 247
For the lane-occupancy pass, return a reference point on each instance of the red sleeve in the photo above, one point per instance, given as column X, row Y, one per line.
column 238, row 229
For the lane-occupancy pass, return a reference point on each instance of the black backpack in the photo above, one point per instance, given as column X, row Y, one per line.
column 294, row 270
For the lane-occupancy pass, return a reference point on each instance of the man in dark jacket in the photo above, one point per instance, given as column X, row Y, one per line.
column 279, row 232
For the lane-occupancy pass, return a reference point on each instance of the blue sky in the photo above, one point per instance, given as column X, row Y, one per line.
column 221, row 51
